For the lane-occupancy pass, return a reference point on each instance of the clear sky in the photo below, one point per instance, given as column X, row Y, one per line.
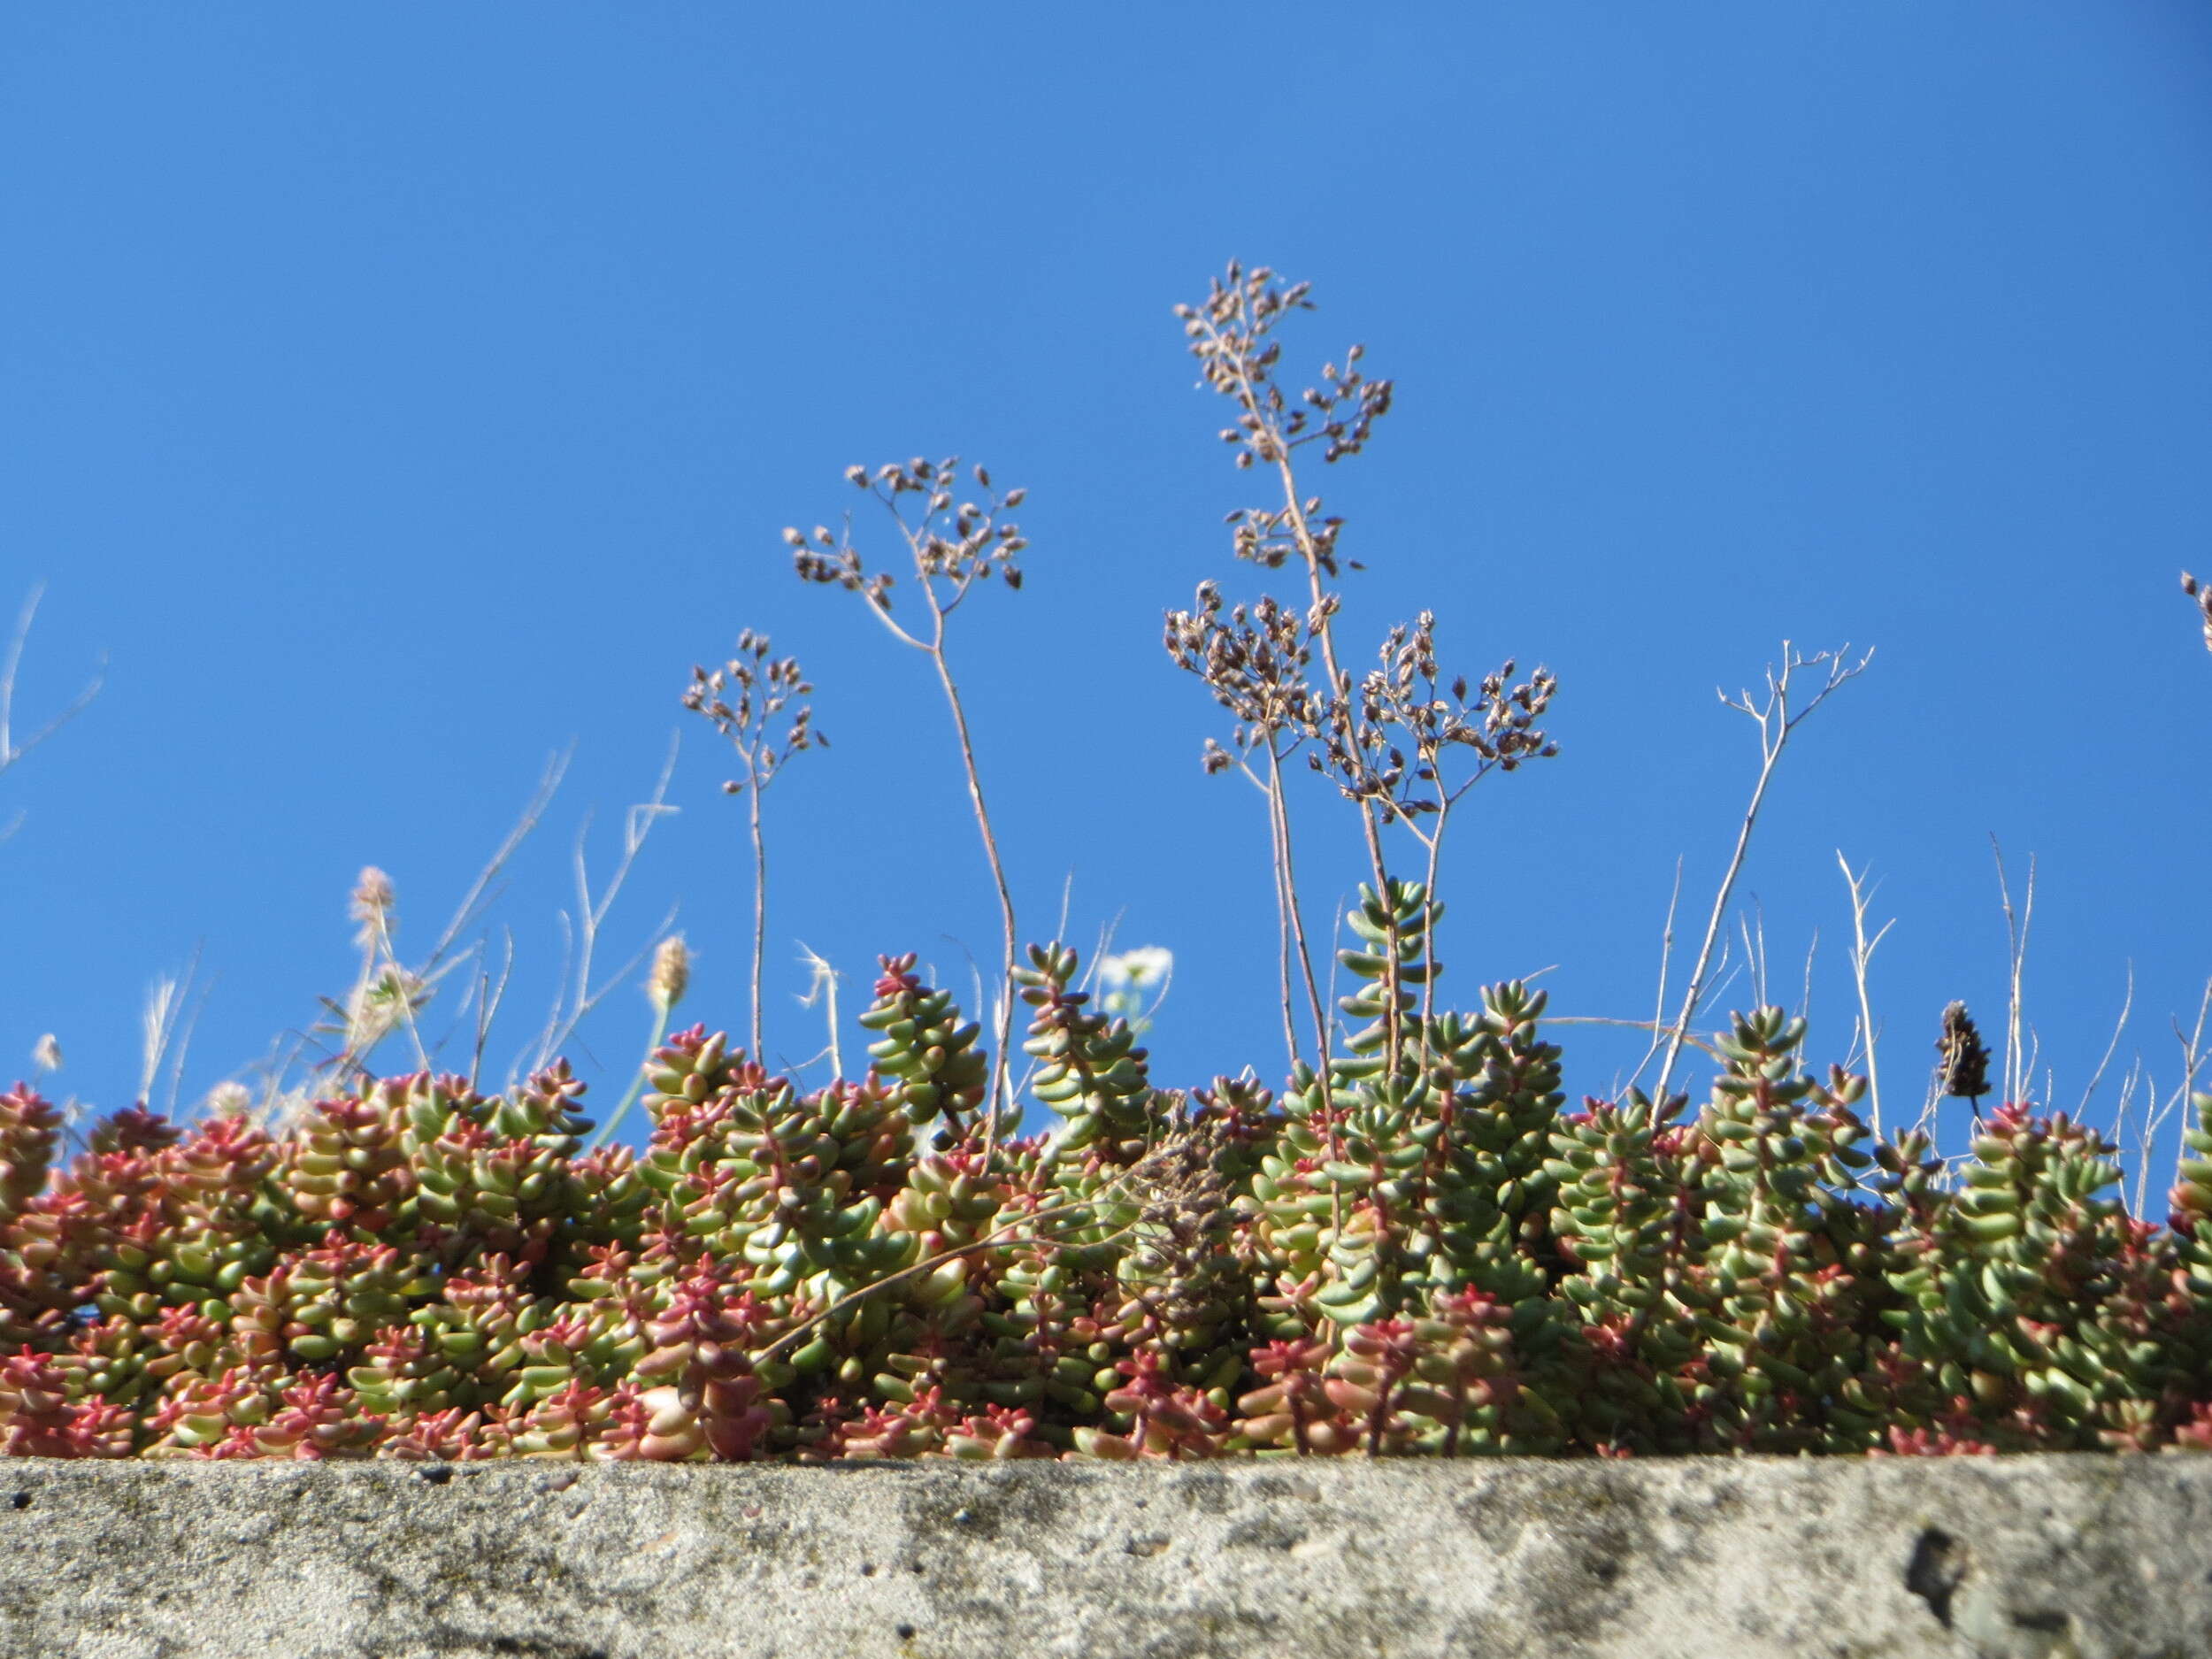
column 397, row 397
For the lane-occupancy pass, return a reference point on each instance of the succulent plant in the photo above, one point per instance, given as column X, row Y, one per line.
column 1419, row 1253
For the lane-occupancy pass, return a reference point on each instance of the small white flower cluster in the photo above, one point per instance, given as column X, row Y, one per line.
column 1128, row 978
column 1148, row 964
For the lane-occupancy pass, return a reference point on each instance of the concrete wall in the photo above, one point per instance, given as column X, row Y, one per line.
column 1712, row 1558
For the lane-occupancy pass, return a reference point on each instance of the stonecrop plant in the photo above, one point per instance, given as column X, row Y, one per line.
column 1415, row 1246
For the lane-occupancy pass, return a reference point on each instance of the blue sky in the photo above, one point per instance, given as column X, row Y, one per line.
column 396, row 399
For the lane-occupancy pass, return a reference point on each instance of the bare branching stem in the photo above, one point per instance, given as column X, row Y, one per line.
column 2019, row 1064
column 1862, row 950
column 1775, row 720
column 575, row 998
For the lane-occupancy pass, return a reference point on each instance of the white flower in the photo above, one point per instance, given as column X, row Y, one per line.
column 1148, row 964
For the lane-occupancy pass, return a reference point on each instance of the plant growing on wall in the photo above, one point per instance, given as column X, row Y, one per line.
column 1412, row 1247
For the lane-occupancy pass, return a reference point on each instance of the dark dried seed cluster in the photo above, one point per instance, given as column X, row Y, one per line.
column 1962, row 1060
column 762, row 686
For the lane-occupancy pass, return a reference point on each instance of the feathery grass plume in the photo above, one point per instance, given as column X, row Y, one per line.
column 762, row 687
column 956, row 543
column 2202, row 593
column 671, row 976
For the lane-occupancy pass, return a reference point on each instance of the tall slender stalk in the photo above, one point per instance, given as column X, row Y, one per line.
column 2019, row 1069
column 1009, row 940
column 1252, row 670
column 763, row 687
column 958, row 544
column 1279, row 808
column 1862, row 954
column 1775, row 721
column 665, row 988
column 1230, row 335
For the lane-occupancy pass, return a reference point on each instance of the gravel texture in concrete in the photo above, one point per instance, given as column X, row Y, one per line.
column 2038, row 1557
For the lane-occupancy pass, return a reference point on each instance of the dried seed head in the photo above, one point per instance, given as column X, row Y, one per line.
column 228, row 1100
column 372, row 892
column 372, row 904
column 672, row 973
column 1963, row 1062
column 46, row 1054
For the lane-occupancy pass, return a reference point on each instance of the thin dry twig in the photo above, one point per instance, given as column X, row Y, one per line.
column 1659, row 998
column 1775, row 721
column 574, row 1001
column 2019, row 1064
column 1753, row 929
column 664, row 988
column 822, row 985
column 475, row 901
column 2193, row 1057
column 1255, row 664
column 11, row 666
column 489, row 995
column 2127, row 1005
column 1863, row 950
column 2128, row 1086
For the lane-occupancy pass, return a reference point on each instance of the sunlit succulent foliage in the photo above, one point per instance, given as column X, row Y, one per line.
column 1429, row 1255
